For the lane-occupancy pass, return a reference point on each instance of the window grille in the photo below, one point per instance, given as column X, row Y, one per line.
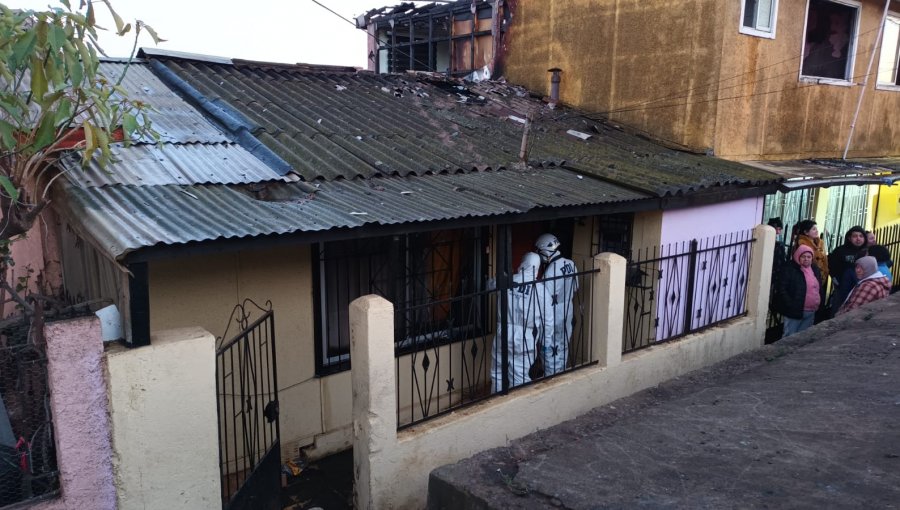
column 420, row 273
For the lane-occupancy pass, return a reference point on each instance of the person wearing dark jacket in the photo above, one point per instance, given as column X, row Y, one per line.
column 780, row 256
column 799, row 291
column 842, row 264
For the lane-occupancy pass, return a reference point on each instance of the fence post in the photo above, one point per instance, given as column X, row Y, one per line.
column 608, row 302
column 373, row 377
column 504, row 281
column 689, row 297
column 760, row 278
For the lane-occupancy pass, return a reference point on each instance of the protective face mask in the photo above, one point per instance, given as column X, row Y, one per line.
column 779, row 237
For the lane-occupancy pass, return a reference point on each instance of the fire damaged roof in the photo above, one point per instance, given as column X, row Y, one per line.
column 329, row 125
column 253, row 150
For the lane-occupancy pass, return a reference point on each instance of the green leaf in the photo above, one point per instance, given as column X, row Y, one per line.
column 76, row 71
column 22, row 49
column 46, row 133
column 38, row 79
column 63, row 113
column 56, row 37
column 156, row 39
column 7, row 132
column 130, row 124
column 9, row 187
column 90, row 144
column 91, row 20
column 120, row 25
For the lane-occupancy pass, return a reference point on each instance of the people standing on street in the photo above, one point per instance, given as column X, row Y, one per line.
column 870, row 239
column 808, row 235
column 872, row 285
column 883, row 257
column 799, row 291
column 780, row 257
column 560, row 284
column 524, row 324
column 842, row 262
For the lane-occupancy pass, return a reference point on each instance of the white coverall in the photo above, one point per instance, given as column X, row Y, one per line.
column 524, row 324
column 557, row 306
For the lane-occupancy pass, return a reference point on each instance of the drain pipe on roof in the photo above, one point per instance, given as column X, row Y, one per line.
column 238, row 126
column 554, row 86
column 862, row 91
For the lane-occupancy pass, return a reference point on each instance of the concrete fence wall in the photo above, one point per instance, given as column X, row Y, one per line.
column 162, row 402
column 392, row 468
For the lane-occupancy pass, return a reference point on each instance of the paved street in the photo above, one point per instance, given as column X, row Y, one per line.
column 812, row 421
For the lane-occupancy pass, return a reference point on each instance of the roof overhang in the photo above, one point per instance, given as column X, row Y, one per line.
column 805, row 174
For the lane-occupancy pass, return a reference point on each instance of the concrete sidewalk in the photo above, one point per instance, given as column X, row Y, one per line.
column 811, row 421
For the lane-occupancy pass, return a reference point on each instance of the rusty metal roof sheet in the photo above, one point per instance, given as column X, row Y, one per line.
column 124, row 218
column 152, row 165
column 330, row 125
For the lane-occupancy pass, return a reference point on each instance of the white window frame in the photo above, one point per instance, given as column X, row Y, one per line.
column 851, row 50
column 755, row 31
column 888, row 86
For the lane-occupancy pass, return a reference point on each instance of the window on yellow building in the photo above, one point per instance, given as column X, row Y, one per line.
column 758, row 17
column 890, row 52
column 830, row 43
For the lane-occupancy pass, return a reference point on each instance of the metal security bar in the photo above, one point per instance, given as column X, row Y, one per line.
column 249, row 447
column 446, row 361
column 28, row 467
column 685, row 287
column 889, row 237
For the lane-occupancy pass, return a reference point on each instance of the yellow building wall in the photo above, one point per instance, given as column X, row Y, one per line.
column 620, row 54
column 681, row 71
column 203, row 290
column 766, row 112
column 888, row 206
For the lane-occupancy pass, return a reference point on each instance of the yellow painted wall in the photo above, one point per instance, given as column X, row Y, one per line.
column 163, row 415
column 888, row 200
column 202, row 291
column 737, row 94
column 617, row 54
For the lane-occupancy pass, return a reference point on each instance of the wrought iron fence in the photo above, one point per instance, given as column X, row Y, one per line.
column 249, row 451
column 889, row 237
column 685, row 287
column 448, row 356
column 28, row 467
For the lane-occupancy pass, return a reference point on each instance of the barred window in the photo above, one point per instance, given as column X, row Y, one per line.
column 423, row 274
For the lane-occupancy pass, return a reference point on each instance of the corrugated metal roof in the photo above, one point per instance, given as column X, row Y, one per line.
column 829, row 168
column 172, row 118
column 124, row 218
column 152, row 165
column 330, row 125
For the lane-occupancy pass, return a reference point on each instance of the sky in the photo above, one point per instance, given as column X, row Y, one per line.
column 270, row 30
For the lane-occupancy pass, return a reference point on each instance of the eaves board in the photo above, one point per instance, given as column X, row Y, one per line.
column 126, row 218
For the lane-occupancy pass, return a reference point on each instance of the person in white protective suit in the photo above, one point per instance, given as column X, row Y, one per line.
column 523, row 326
column 556, row 303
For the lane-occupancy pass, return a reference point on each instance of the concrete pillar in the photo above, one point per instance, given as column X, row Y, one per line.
column 760, row 281
column 373, row 376
column 165, row 435
column 608, row 308
column 80, row 420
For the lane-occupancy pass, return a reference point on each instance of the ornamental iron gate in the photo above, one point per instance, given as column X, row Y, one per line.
column 249, row 446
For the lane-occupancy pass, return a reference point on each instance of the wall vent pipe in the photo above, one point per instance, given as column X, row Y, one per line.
column 554, row 86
